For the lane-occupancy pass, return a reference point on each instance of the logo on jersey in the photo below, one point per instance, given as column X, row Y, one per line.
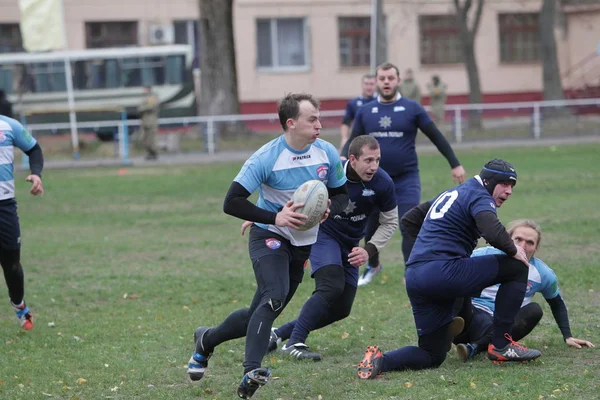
column 322, row 172
column 26, row 134
column 340, row 170
column 374, row 110
column 385, row 122
column 2, row 136
column 350, row 207
column 399, row 108
column 273, row 243
column 492, row 205
column 368, row 192
column 359, row 103
column 302, row 157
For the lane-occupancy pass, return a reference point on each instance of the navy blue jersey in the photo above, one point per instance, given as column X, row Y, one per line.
column 365, row 197
column 449, row 230
column 394, row 125
column 353, row 106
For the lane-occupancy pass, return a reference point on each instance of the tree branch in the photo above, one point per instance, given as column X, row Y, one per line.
column 477, row 18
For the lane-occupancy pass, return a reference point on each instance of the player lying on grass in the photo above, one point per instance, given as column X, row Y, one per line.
column 541, row 279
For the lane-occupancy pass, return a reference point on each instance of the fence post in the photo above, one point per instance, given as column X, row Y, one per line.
column 124, row 138
column 537, row 126
column 210, row 133
column 458, row 124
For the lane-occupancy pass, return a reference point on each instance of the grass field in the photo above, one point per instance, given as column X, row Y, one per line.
column 120, row 269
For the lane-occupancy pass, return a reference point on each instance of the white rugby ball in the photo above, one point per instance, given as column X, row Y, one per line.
column 314, row 195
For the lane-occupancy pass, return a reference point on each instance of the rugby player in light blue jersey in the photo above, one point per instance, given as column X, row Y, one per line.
column 278, row 250
column 478, row 331
column 12, row 134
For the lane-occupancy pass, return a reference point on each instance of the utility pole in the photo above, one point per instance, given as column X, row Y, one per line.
column 378, row 35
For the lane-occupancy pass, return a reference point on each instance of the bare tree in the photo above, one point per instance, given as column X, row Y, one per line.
column 218, row 72
column 468, row 31
column 551, row 72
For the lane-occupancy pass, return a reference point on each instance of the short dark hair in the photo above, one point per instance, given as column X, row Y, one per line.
column 387, row 65
column 368, row 76
column 357, row 144
column 289, row 106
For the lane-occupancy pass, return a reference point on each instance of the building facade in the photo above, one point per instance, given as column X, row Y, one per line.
column 322, row 46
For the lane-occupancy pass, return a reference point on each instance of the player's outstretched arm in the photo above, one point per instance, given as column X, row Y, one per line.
column 437, row 138
column 561, row 316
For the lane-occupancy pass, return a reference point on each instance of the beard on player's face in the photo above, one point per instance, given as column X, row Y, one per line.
column 390, row 95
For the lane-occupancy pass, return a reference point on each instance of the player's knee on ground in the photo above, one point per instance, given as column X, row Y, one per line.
column 526, row 320
column 330, row 282
column 435, row 344
column 511, row 269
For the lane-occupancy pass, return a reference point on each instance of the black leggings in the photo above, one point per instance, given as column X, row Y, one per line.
column 13, row 274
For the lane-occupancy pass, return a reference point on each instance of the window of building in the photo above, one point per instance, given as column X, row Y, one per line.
column 355, row 41
column 281, row 43
column 519, row 37
column 111, row 34
column 440, row 41
column 10, row 38
column 188, row 32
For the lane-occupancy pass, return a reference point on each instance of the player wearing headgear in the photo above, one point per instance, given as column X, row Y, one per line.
column 336, row 256
column 440, row 270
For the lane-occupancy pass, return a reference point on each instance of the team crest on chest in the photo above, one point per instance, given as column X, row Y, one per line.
column 385, row 122
column 322, row 172
column 359, row 103
column 350, row 207
column 2, row 136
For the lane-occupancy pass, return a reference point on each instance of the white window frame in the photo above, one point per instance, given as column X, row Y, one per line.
column 274, row 52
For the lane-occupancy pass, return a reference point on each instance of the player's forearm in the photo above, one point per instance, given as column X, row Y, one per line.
column 388, row 225
column 237, row 204
column 495, row 233
column 561, row 315
column 344, row 135
column 339, row 200
column 413, row 219
column 442, row 144
column 36, row 160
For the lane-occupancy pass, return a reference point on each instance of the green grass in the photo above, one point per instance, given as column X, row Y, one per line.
column 126, row 266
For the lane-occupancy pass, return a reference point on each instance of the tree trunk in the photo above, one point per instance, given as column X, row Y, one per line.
column 218, row 71
column 467, row 36
column 549, row 56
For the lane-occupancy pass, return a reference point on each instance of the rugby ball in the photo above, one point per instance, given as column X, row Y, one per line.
column 314, row 195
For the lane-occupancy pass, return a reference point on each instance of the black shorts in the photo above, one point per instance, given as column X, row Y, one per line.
column 276, row 262
column 10, row 230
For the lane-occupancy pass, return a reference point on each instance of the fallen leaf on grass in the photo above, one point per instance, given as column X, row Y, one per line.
column 407, row 384
column 81, row 381
column 345, row 335
column 473, row 385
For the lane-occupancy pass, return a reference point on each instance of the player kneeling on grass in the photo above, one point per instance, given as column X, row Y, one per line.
column 336, row 256
column 478, row 330
column 441, row 269
column 278, row 248
column 12, row 134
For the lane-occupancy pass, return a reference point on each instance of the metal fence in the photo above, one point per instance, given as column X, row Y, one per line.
column 117, row 139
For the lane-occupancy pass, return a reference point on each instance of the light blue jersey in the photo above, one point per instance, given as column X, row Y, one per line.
column 541, row 279
column 277, row 170
column 12, row 134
